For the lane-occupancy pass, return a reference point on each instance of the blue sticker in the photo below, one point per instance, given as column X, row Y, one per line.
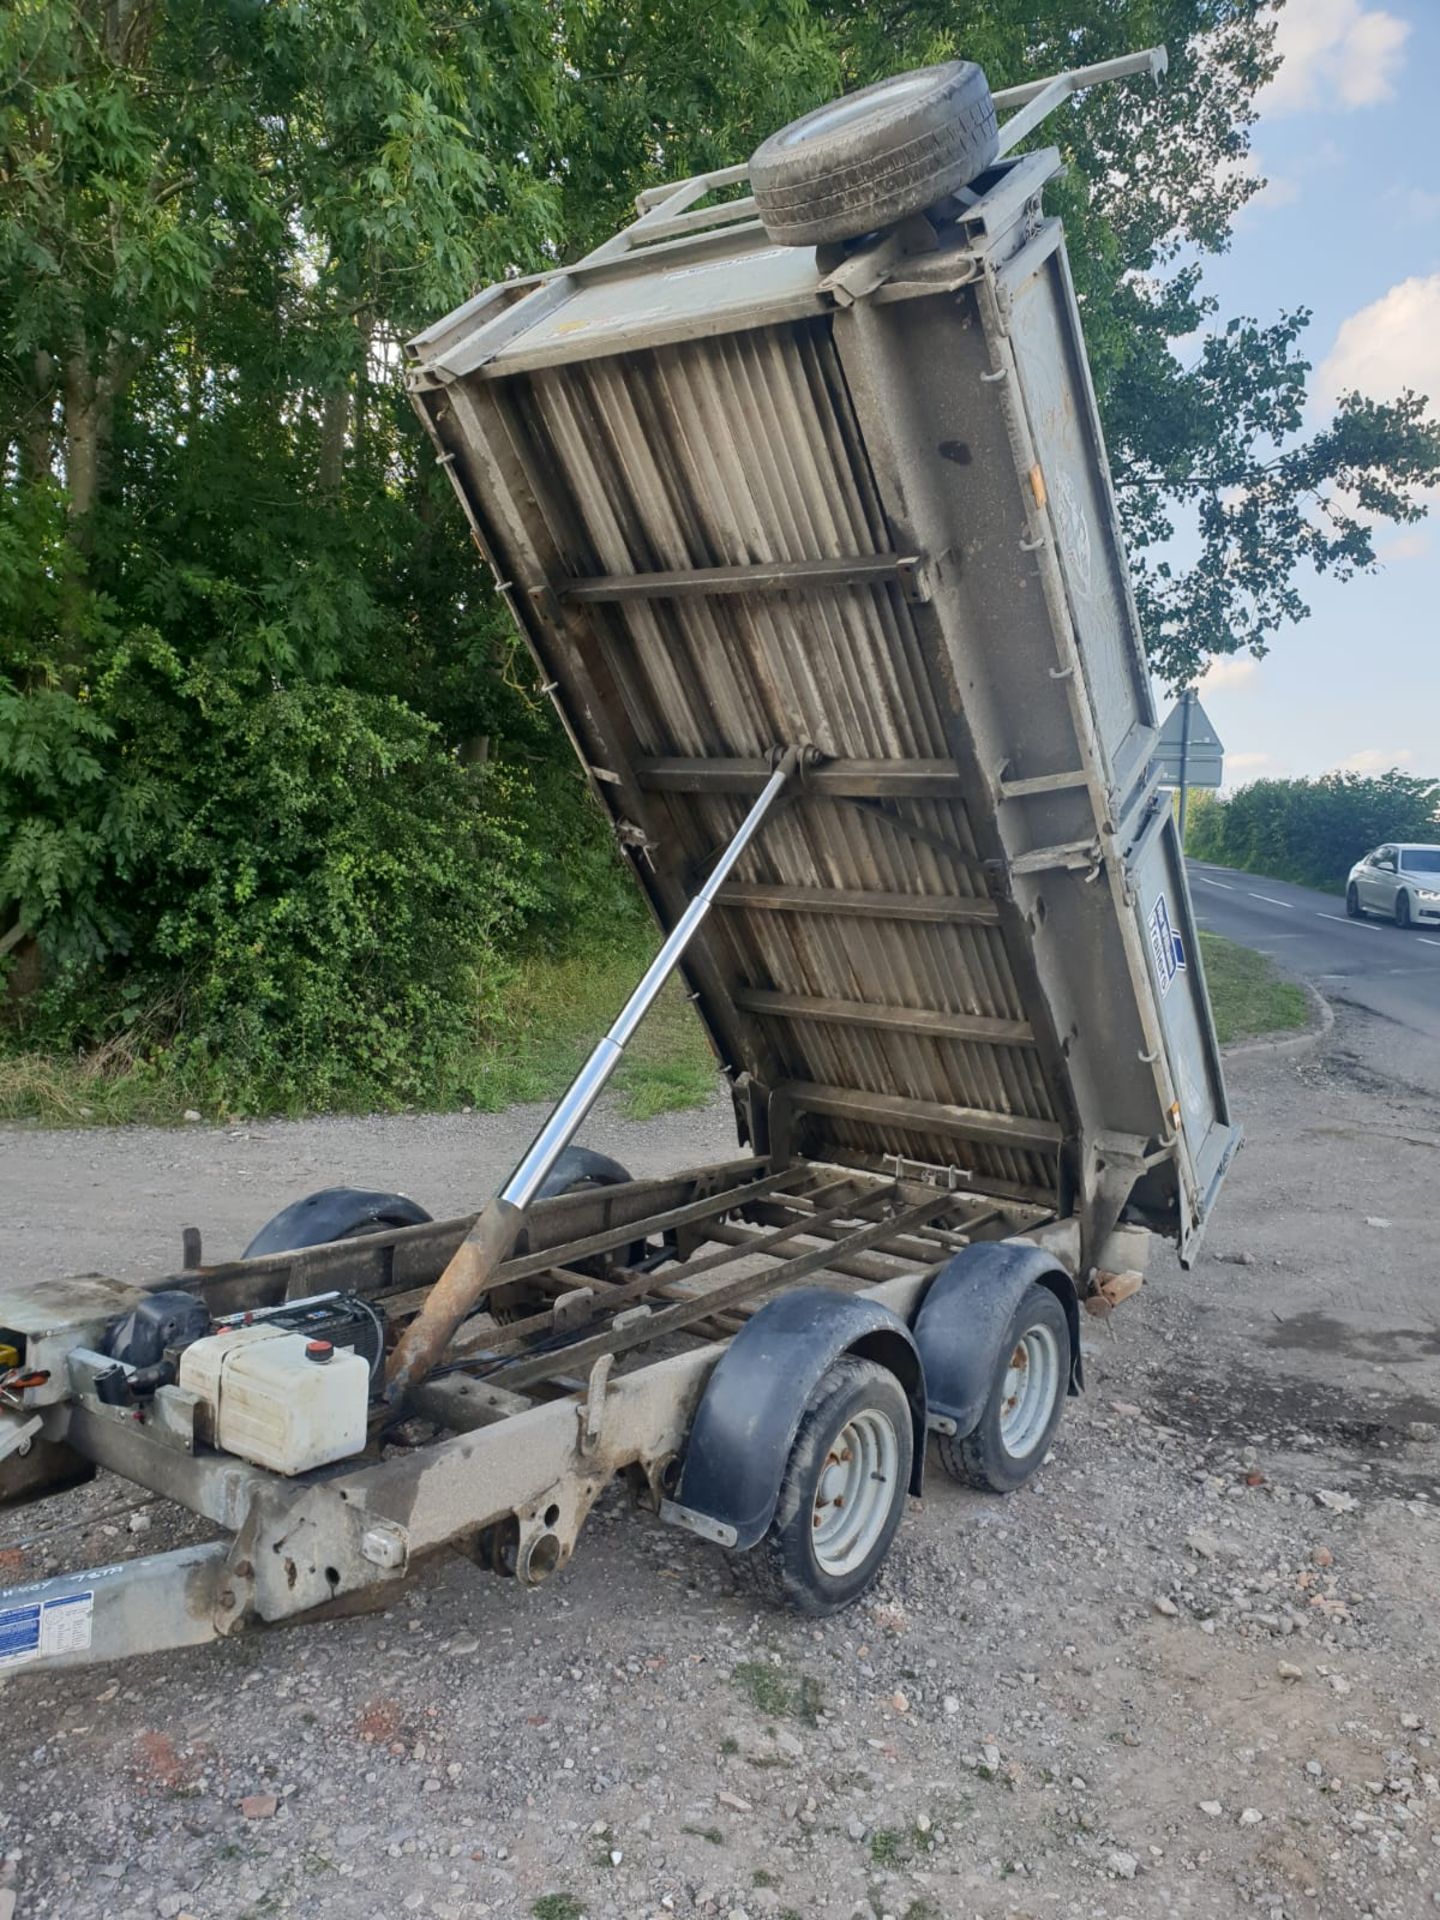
column 1167, row 949
column 19, row 1634
column 39, row 1627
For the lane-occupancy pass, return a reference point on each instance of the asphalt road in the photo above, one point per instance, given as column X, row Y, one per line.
column 1367, row 963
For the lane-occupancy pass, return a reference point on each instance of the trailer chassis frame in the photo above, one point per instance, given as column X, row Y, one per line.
column 532, row 1430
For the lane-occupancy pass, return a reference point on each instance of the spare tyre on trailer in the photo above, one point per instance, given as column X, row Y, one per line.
column 873, row 157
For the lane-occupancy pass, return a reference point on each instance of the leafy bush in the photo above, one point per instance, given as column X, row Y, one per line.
column 315, row 890
column 1311, row 831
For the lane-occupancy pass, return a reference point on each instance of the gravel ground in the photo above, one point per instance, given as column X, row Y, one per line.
column 1191, row 1671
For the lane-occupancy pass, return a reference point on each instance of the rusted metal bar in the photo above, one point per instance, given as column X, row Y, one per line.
column 771, row 576
column 924, row 1021
column 517, row 1374
column 878, row 1264
column 921, row 1248
column 566, row 1253
column 859, row 903
column 974, row 1211
column 630, row 1291
column 454, row 1295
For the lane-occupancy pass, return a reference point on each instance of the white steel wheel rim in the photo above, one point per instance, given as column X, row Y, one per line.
column 855, row 1493
column 1029, row 1391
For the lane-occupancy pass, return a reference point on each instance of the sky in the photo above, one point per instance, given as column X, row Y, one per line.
column 1348, row 226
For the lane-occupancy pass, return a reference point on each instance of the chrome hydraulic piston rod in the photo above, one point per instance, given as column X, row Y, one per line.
column 491, row 1240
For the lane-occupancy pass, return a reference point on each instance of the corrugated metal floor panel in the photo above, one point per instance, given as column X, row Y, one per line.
column 854, row 503
column 665, row 461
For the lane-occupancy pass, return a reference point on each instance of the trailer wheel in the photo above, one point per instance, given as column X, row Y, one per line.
column 334, row 1213
column 578, row 1170
column 1026, row 1400
column 843, row 1492
column 873, row 157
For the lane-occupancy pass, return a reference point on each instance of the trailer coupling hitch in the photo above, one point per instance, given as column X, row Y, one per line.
column 476, row 1265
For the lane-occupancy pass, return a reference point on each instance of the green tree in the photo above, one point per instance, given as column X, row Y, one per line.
column 236, row 611
column 250, row 675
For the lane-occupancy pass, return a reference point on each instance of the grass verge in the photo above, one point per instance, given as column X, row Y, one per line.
column 555, row 1010
column 1248, row 996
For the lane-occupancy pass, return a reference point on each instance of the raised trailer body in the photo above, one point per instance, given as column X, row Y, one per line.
column 817, row 555
column 740, row 499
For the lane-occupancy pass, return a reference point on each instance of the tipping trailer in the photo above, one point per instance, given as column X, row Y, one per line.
column 800, row 501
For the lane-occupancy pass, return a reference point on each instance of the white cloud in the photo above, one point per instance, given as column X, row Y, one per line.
column 1334, row 53
column 1232, row 670
column 1279, row 190
column 1411, row 545
column 1377, row 760
column 1391, row 344
column 1248, row 762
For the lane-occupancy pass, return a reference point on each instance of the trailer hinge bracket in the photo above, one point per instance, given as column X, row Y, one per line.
column 631, row 835
column 573, row 1309
column 857, row 275
column 914, row 576
column 1075, row 856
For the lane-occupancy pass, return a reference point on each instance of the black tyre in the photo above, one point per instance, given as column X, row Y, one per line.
column 1402, row 908
column 843, row 1491
column 1026, row 1401
column 335, row 1213
column 1352, row 902
column 872, row 157
column 578, row 1170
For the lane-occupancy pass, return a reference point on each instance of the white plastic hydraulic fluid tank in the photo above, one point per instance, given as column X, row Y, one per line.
column 278, row 1399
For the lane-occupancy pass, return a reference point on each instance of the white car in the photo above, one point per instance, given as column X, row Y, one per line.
column 1400, row 880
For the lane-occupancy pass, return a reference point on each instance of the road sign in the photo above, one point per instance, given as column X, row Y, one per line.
column 1189, row 750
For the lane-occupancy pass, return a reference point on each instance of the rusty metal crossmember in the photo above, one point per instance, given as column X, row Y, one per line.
column 647, row 1227
column 577, row 1355
column 632, row 1290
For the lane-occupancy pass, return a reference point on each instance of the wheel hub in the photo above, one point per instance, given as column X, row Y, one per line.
column 1031, row 1387
column 854, row 1493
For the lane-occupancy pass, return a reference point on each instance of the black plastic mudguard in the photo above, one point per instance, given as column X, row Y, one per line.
column 579, row 1167
column 335, row 1213
column 746, row 1423
column 963, row 1318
